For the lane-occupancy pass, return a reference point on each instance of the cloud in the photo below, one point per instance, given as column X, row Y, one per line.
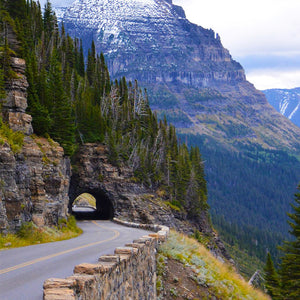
column 270, row 78
column 249, row 27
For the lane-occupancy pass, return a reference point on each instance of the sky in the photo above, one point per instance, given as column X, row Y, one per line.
column 263, row 35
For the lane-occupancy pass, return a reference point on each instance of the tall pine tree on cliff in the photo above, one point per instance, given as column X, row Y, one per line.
column 63, row 121
column 290, row 267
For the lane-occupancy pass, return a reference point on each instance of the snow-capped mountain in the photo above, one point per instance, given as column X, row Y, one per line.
column 189, row 75
column 132, row 34
column 286, row 101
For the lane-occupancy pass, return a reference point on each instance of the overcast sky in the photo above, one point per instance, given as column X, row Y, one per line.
column 263, row 35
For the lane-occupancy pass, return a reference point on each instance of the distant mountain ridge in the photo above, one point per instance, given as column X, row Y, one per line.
column 286, row 101
column 248, row 147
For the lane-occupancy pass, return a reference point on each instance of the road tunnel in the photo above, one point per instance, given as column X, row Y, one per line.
column 91, row 205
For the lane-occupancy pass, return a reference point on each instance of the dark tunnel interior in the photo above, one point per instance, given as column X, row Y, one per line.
column 82, row 211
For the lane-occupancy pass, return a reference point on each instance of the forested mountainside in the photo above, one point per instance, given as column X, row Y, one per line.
column 75, row 104
column 251, row 152
column 286, row 101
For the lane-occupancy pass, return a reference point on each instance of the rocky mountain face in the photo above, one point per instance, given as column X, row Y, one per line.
column 34, row 181
column 246, row 144
column 286, row 101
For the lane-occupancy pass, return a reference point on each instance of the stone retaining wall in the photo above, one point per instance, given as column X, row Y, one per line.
column 129, row 273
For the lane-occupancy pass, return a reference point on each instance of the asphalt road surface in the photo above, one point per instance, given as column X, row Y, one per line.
column 24, row 270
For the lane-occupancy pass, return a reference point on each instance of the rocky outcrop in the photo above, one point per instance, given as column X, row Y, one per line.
column 15, row 103
column 34, row 181
column 34, row 184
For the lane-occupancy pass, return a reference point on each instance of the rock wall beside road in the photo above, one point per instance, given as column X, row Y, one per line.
column 130, row 273
column 34, row 182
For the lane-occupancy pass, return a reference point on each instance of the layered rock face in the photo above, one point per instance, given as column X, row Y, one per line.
column 15, row 104
column 34, row 181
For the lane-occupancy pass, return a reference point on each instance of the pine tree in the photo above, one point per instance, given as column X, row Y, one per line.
column 50, row 22
column 271, row 278
column 63, row 126
column 80, row 60
column 290, row 266
column 91, row 64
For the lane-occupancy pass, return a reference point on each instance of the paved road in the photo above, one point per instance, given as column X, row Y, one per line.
column 24, row 270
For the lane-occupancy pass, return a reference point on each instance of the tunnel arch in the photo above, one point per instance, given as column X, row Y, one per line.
column 104, row 205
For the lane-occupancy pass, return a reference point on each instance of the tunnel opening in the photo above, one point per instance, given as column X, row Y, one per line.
column 92, row 205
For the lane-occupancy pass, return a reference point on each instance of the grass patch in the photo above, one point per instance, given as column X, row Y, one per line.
column 30, row 234
column 220, row 278
column 13, row 138
column 173, row 206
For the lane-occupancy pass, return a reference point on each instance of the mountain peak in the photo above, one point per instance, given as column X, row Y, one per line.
column 132, row 33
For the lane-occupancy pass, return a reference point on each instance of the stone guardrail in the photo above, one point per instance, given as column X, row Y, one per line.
column 130, row 273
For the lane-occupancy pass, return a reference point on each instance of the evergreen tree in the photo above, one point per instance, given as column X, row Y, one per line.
column 63, row 126
column 91, row 64
column 80, row 60
column 271, row 278
column 50, row 24
column 290, row 266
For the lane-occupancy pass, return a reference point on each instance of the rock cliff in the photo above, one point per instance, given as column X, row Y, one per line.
column 34, row 181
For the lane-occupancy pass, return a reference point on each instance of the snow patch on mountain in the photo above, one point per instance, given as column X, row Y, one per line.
column 287, row 102
column 111, row 18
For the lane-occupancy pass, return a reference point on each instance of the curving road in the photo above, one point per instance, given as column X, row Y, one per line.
column 24, row 270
